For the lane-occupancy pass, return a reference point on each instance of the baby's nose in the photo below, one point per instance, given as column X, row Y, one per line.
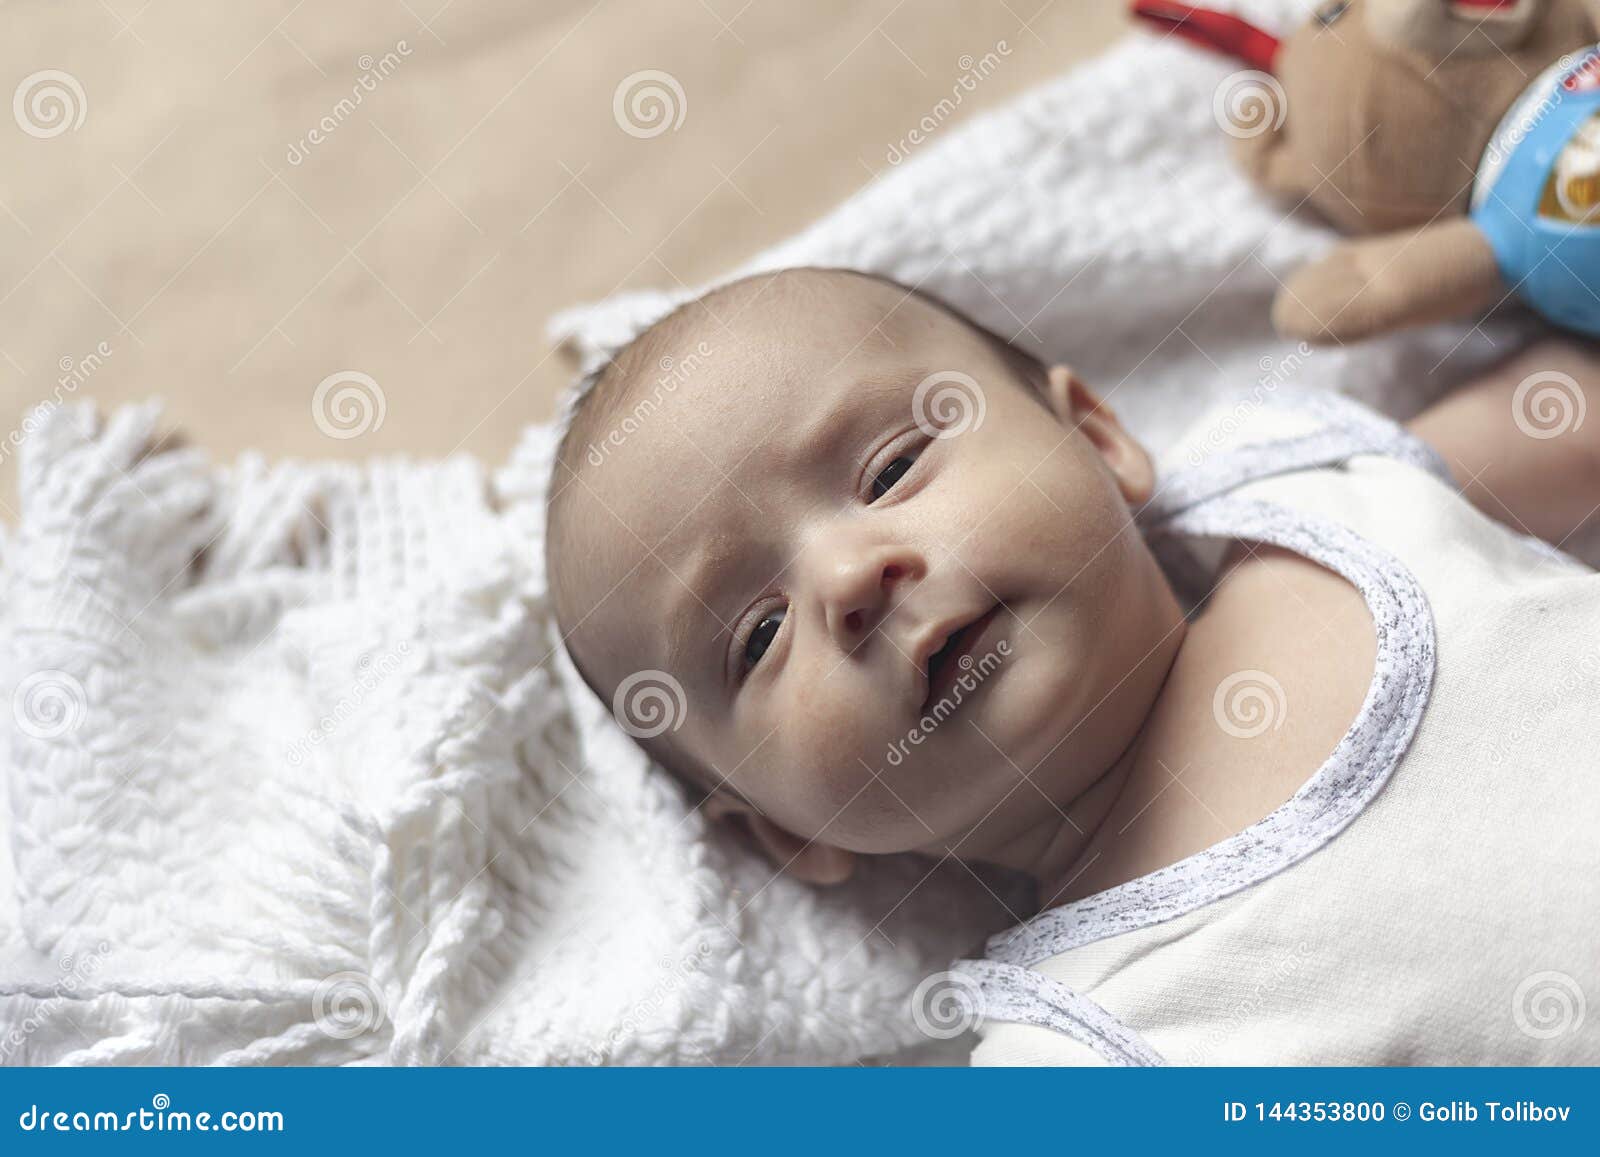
column 858, row 589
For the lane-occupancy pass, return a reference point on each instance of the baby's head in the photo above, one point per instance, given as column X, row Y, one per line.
column 888, row 559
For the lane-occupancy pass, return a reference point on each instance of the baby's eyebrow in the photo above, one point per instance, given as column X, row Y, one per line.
column 680, row 641
column 707, row 569
column 834, row 422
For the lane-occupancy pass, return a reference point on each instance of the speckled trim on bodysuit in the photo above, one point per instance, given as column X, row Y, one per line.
column 1344, row 429
column 1024, row 996
column 1196, row 503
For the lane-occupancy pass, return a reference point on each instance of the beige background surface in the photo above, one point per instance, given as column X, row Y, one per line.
column 169, row 226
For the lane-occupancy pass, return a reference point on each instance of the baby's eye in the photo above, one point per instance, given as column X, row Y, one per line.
column 761, row 638
column 891, row 474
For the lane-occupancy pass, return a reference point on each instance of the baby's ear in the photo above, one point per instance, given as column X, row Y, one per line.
column 810, row 860
column 1078, row 408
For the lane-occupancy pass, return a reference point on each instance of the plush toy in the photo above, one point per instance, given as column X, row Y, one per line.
column 1460, row 140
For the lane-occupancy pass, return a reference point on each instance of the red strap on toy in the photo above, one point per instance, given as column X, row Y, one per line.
column 1215, row 30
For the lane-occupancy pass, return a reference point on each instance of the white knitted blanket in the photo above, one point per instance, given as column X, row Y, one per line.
column 298, row 771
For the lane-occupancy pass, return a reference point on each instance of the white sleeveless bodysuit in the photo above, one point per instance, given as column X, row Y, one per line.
column 1431, row 895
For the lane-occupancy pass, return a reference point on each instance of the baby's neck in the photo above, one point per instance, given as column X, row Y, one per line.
column 1067, row 841
column 1058, row 852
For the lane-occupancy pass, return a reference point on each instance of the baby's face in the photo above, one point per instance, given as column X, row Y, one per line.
column 898, row 584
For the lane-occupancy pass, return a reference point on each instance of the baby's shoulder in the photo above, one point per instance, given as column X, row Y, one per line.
column 1270, row 677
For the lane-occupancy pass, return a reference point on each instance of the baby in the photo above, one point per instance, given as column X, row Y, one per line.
column 1297, row 743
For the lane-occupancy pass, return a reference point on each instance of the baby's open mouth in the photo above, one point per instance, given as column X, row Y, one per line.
column 960, row 655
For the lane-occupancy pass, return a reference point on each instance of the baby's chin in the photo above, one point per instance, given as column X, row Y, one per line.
column 939, row 790
column 924, row 781
column 1026, row 724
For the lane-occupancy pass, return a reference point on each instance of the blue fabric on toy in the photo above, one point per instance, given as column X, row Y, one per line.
column 1552, row 265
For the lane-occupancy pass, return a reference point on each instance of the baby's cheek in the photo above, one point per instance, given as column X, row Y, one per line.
column 825, row 745
column 841, row 781
column 829, row 755
column 833, row 713
column 831, row 783
column 836, row 734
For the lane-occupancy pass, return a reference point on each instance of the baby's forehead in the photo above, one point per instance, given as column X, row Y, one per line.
column 762, row 353
column 803, row 314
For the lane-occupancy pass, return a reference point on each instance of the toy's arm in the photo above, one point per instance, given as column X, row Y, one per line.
column 1374, row 284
